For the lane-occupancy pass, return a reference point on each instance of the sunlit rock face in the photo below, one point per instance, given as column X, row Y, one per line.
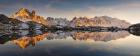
column 103, row 21
column 25, row 15
column 99, row 36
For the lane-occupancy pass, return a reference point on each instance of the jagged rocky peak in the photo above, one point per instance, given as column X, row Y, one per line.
column 25, row 15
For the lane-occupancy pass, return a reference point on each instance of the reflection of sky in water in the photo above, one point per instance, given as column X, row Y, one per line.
column 125, row 46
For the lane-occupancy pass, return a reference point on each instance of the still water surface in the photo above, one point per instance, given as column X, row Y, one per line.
column 74, row 43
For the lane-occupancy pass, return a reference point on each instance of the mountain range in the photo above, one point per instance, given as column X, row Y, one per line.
column 103, row 21
column 24, row 17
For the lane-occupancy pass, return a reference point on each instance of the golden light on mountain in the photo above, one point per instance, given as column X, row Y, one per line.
column 25, row 14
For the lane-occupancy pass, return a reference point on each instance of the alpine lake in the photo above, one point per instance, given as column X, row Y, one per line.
column 68, row 43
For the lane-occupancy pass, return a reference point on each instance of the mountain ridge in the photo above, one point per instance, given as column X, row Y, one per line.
column 25, row 15
column 103, row 21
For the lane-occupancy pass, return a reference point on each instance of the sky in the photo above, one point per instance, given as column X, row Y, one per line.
column 128, row 10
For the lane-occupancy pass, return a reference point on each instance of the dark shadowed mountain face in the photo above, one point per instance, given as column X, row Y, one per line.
column 135, row 29
column 9, row 23
column 6, row 20
column 12, row 23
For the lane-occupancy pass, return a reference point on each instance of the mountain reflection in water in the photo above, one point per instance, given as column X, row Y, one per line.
column 24, row 38
column 68, row 43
